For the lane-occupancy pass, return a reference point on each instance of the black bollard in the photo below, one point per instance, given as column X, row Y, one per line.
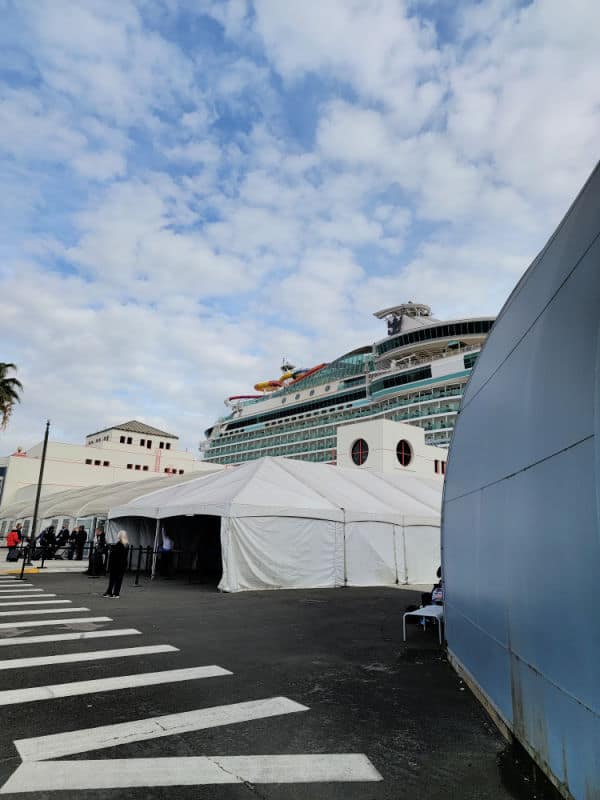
column 25, row 555
column 137, row 569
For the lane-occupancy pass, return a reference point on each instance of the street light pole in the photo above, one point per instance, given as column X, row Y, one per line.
column 39, row 486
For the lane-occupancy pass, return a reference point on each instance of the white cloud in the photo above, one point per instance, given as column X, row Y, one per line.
column 189, row 211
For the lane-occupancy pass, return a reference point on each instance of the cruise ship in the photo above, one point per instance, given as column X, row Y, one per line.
column 416, row 374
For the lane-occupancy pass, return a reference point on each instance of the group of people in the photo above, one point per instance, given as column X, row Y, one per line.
column 47, row 544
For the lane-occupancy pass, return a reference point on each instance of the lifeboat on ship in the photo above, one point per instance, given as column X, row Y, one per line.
column 245, row 397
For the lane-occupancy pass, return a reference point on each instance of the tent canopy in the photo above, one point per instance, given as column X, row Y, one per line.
column 289, row 488
column 92, row 501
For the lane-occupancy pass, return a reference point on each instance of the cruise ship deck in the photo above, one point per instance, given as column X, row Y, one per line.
column 416, row 374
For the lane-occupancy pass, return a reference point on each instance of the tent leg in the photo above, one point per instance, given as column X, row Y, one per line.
column 155, row 550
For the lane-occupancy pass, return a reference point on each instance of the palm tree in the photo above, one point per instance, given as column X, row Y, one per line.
column 9, row 393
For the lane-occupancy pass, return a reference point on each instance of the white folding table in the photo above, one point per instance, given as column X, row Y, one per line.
column 436, row 612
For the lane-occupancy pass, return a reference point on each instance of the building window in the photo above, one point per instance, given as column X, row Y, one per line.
column 161, row 445
column 168, row 445
column 122, row 439
column 437, row 467
column 404, row 452
column 443, row 467
column 149, row 444
column 145, row 468
column 297, row 397
column 97, row 463
column 129, row 466
column 137, row 466
column 88, row 461
column 129, row 440
column 106, row 463
column 312, row 391
column 142, row 442
column 26, row 525
column 181, row 472
column 359, row 452
column 167, row 470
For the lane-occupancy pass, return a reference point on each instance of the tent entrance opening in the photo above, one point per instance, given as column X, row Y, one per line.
column 196, row 542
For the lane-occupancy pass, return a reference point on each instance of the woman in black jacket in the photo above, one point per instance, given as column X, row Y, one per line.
column 117, row 565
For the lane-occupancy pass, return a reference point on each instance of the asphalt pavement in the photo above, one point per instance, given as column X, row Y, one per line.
column 289, row 694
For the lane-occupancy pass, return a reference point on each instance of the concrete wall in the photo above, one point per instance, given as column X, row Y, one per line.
column 66, row 467
column 382, row 437
column 521, row 533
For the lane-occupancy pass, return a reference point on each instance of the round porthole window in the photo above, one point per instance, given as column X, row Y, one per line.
column 359, row 452
column 404, row 452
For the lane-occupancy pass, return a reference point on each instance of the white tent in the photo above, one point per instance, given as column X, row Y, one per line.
column 89, row 501
column 293, row 524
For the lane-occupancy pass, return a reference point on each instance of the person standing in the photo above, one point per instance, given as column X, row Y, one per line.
column 62, row 537
column 117, row 566
column 13, row 540
column 72, row 541
column 80, row 540
column 97, row 551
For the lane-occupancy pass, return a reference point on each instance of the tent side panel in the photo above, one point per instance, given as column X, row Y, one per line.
column 423, row 552
column 139, row 530
column 279, row 553
column 370, row 557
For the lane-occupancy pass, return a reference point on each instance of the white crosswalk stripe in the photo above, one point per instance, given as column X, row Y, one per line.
column 17, row 596
column 19, row 589
column 33, row 602
column 12, row 696
column 67, row 637
column 37, row 611
column 190, row 771
column 93, row 655
column 82, row 741
column 38, row 623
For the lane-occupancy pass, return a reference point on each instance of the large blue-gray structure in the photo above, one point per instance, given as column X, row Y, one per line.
column 521, row 525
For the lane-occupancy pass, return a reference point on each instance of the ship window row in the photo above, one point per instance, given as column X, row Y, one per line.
column 289, row 444
column 424, row 400
column 311, row 406
column 421, row 374
column 326, row 452
column 260, row 439
column 426, row 395
column 480, row 326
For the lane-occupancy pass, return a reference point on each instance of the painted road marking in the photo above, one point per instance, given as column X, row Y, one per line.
column 38, row 623
column 13, row 696
column 68, row 637
column 24, row 596
column 94, row 655
column 33, row 602
column 132, row 772
column 20, row 588
column 41, row 748
column 41, row 611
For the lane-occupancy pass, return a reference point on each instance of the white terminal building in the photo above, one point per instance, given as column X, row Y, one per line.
column 128, row 452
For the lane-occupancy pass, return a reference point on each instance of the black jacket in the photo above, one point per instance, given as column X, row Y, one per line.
column 118, row 558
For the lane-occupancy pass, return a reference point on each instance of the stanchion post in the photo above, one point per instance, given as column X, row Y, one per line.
column 25, row 559
column 137, row 569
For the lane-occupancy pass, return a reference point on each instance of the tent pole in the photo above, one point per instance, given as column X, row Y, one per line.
column 345, row 565
column 155, row 550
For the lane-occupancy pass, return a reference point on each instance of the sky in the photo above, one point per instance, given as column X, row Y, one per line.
column 194, row 189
